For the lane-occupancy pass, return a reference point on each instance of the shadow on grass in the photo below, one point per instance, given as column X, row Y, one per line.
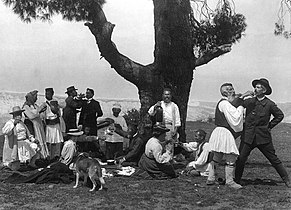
column 269, row 182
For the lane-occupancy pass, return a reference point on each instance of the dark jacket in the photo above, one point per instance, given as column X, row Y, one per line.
column 257, row 121
column 89, row 114
column 70, row 112
column 136, row 148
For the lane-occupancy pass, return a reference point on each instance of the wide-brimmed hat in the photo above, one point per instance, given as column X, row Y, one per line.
column 71, row 88
column 75, row 132
column 16, row 110
column 265, row 83
column 160, row 128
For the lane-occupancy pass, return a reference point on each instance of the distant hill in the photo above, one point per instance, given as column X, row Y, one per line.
column 197, row 110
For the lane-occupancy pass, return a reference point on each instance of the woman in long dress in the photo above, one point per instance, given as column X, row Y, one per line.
column 32, row 113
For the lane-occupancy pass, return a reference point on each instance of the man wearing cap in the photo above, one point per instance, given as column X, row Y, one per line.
column 257, row 129
column 54, row 136
column 19, row 144
column 73, row 102
column 114, row 141
column 91, row 110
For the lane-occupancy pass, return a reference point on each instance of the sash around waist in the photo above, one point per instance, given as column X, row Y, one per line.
column 52, row 122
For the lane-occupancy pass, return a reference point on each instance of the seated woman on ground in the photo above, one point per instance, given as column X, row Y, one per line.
column 19, row 145
column 155, row 162
column 200, row 166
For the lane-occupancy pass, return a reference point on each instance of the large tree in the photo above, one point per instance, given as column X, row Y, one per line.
column 182, row 41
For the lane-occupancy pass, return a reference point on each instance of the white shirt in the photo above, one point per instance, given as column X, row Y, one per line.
column 20, row 130
column 234, row 116
column 171, row 113
column 201, row 160
column 154, row 149
column 116, row 137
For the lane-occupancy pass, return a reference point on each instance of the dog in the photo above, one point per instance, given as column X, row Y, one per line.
column 87, row 166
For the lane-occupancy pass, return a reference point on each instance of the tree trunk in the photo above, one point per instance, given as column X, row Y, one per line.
column 174, row 58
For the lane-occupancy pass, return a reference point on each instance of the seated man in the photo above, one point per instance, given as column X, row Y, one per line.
column 138, row 139
column 19, row 145
column 71, row 146
column 155, row 162
column 200, row 166
column 69, row 150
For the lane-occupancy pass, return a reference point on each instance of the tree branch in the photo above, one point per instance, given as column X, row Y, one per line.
column 210, row 55
column 124, row 66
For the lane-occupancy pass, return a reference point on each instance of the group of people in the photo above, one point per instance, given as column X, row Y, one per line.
column 46, row 132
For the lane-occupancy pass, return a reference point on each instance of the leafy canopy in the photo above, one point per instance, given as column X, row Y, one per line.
column 71, row 10
column 215, row 27
column 284, row 10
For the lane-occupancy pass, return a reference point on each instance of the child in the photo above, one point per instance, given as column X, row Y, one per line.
column 198, row 167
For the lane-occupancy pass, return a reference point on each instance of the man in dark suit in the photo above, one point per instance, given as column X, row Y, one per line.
column 73, row 102
column 257, row 129
column 91, row 110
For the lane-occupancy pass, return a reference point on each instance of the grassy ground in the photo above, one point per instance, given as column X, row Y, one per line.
column 264, row 190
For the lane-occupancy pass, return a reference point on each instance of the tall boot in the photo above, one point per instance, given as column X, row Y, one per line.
column 229, row 175
column 240, row 166
column 211, row 175
column 283, row 174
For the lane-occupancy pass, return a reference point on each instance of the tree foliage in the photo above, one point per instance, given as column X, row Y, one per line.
column 284, row 10
column 71, row 10
column 219, row 27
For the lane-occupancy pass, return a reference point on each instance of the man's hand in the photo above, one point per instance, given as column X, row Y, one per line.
column 158, row 103
column 16, row 121
column 169, row 147
column 173, row 133
column 247, row 94
column 42, row 109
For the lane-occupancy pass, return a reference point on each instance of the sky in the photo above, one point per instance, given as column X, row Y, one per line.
column 62, row 53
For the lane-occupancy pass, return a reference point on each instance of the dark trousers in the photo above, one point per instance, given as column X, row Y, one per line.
column 113, row 150
column 267, row 150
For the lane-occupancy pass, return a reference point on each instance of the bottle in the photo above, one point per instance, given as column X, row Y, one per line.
column 159, row 114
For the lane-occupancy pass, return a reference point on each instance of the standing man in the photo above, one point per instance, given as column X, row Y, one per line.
column 171, row 116
column 54, row 136
column 73, row 102
column 228, row 120
column 114, row 141
column 257, row 131
column 91, row 110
